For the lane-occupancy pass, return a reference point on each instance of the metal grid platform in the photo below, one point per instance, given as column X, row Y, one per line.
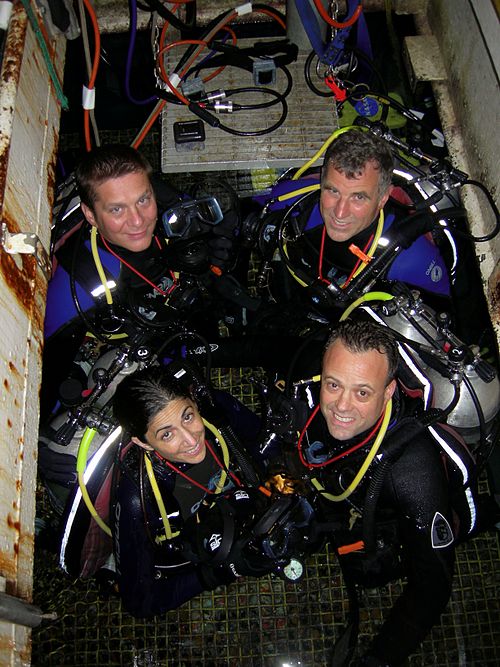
column 262, row 623
column 311, row 120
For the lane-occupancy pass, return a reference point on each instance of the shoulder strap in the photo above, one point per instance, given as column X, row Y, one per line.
column 83, row 265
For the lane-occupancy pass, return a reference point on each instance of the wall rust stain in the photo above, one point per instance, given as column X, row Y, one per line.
column 14, row 46
column 10, row 74
column 13, row 369
column 494, row 297
column 51, row 170
column 7, row 566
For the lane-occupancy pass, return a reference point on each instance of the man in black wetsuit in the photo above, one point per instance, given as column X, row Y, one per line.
column 401, row 493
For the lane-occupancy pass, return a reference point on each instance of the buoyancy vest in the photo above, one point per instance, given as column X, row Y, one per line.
column 421, row 265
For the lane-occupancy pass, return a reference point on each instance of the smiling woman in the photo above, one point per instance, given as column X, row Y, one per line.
column 176, row 433
column 173, row 461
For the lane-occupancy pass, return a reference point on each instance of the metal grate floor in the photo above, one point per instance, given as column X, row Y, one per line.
column 260, row 623
column 311, row 119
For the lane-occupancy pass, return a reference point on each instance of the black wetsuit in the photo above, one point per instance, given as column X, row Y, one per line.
column 153, row 574
column 426, row 502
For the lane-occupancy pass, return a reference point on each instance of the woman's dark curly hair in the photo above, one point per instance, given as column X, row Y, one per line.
column 142, row 395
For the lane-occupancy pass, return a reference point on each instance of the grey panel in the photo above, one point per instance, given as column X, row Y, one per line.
column 311, row 119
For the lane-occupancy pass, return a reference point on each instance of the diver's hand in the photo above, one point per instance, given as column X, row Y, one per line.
column 240, row 562
column 55, row 466
column 222, row 247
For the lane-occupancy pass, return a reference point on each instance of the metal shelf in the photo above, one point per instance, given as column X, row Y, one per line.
column 310, row 121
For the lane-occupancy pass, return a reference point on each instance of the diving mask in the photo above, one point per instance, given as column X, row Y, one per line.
column 189, row 217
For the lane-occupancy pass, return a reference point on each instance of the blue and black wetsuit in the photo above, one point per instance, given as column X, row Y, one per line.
column 422, row 265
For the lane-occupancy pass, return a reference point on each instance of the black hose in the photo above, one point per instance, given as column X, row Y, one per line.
column 191, row 49
column 298, row 353
column 480, row 457
column 249, row 472
column 268, row 130
column 157, row 6
column 493, row 206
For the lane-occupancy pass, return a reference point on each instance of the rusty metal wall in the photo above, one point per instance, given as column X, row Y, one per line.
column 28, row 143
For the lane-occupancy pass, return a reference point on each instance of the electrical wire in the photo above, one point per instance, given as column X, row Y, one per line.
column 214, row 28
column 95, row 67
column 130, row 54
column 351, row 20
column 88, row 64
column 159, row 7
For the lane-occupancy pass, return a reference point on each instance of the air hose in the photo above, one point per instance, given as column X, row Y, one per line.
column 365, row 465
column 81, row 464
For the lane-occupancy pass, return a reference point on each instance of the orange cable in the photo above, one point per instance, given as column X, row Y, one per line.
column 93, row 75
column 338, row 24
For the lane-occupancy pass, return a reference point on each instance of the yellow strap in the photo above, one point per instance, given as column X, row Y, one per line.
column 366, row 463
column 157, row 493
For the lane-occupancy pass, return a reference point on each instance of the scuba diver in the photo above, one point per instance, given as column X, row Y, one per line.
column 120, row 269
column 329, row 232
column 396, row 486
column 181, row 496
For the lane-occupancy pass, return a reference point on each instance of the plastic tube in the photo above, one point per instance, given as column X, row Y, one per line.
column 366, row 463
column 81, row 464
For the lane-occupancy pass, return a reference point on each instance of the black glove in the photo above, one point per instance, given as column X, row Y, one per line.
column 246, row 561
column 55, row 466
column 222, row 247
column 213, row 577
column 241, row 561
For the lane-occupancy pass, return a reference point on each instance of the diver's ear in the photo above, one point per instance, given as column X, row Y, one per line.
column 389, row 390
column 144, row 445
column 384, row 198
column 89, row 214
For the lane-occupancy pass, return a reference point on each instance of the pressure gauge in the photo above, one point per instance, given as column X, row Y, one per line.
column 294, row 570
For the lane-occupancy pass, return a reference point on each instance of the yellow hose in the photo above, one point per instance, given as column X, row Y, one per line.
column 370, row 296
column 366, row 463
column 169, row 534
column 98, row 265
column 81, row 464
column 323, row 148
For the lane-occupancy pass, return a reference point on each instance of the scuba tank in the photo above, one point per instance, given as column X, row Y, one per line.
column 445, row 362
